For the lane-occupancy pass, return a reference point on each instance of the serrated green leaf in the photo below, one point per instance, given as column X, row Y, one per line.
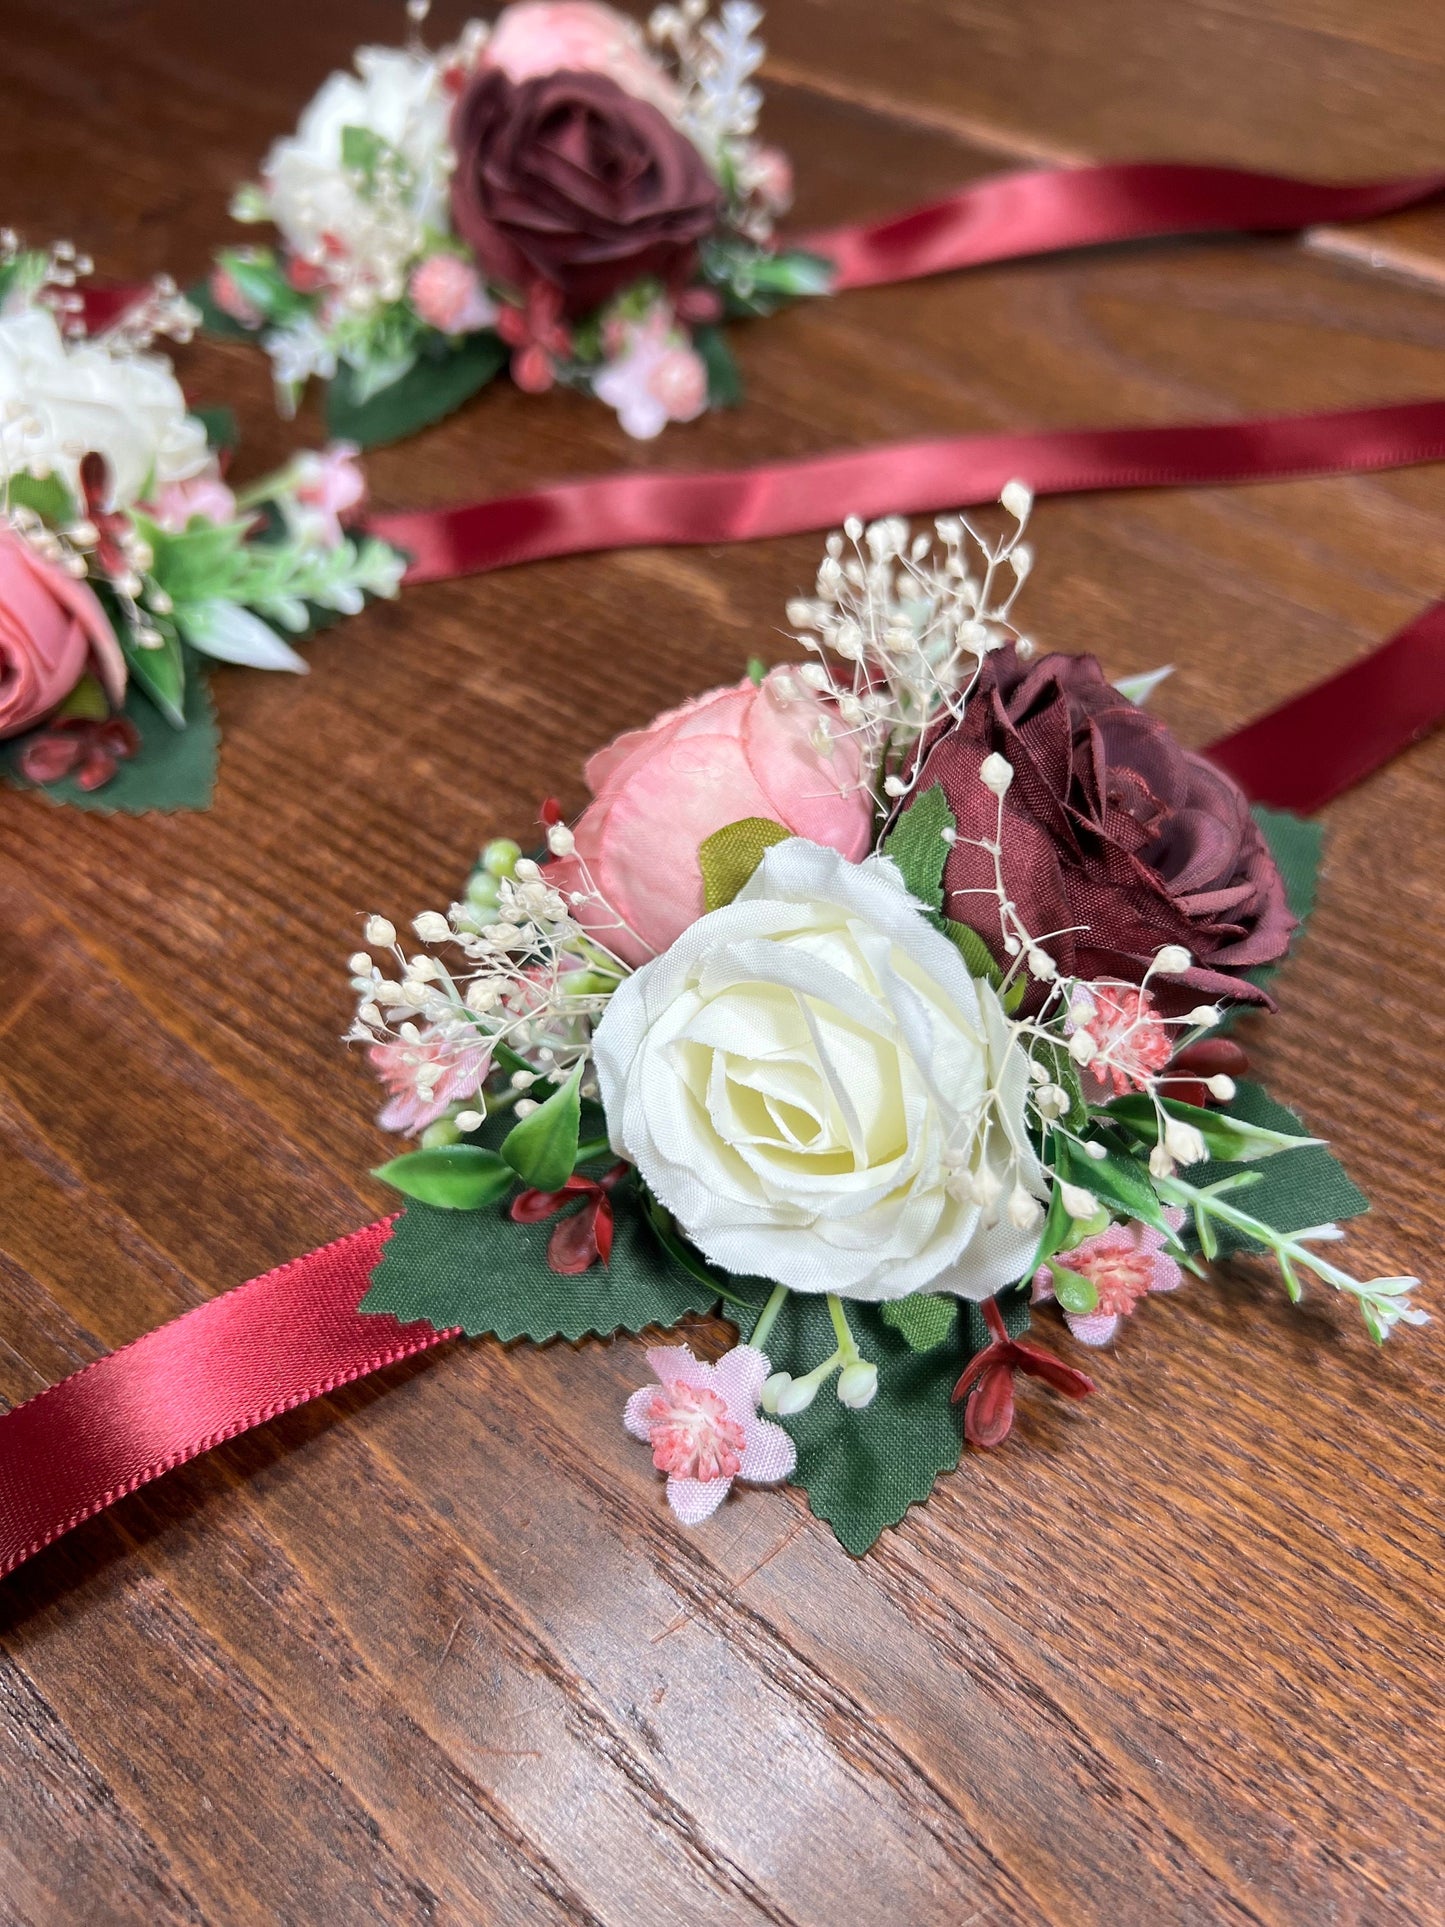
column 1290, row 1192
column 862, row 1470
column 729, row 856
column 220, row 426
column 916, row 845
column 925, row 1318
column 453, row 1177
column 441, row 379
column 479, row 1270
column 174, row 769
column 542, row 1147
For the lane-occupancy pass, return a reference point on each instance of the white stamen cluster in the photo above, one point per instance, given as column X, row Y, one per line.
column 898, row 625
column 529, row 985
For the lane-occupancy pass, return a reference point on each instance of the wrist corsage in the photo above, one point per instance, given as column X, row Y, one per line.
column 560, row 194
column 128, row 560
column 879, row 1001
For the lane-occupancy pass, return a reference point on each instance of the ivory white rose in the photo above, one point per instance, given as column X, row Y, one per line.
column 315, row 200
column 60, row 400
column 815, row 1087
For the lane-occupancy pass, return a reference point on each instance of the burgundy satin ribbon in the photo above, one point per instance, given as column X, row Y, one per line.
column 207, row 1376
column 652, row 507
column 295, row 1333
column 1043, row 210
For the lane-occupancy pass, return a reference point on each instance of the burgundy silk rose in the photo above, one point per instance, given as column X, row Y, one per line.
column 568, row 179
column 1116, row 840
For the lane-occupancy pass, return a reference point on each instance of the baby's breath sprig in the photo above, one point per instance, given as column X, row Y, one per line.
column 898, row 625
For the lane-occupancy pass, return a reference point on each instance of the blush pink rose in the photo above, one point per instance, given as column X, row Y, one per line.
column 51, row 629
column 661, row 791
column 539, row 37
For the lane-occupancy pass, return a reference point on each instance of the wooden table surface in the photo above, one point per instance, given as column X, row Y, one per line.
column 433, row 1650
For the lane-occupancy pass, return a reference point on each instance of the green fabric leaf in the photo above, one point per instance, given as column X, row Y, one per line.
column 174, row 769
column 1293, row 1190
column 160, row 672
column 453, row 1177
column 442, row 378
column 925, row 1318
column 729, row 856
column 724, row 383
column 1235, row 1139
column 862, row 1470
column 976, row 953
column 220, row 426
column 1296, row 843
column 542, row 1148
column 1118, row 1180
column 916, row 845
column 478, row 1270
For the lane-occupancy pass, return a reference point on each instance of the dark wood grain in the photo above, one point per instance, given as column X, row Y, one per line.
column 432, row 1650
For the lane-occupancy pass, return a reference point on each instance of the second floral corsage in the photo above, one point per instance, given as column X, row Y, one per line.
column 882, row 1002
column 559, row 194
column 128, row 560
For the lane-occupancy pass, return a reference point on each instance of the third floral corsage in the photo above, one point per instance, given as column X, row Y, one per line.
column 128, row 560
column 558, row 193
column 883, row 1002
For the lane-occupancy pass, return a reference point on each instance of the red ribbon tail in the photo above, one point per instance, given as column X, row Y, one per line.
column 1044, row 210
column 207, row 1376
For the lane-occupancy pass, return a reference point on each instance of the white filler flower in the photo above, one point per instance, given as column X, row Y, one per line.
column 322, row 207
column 61, row 400
column 815, row 1087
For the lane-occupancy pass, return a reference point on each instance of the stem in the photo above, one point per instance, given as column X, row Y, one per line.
column 847, row 1346
column 1381, row 1300
column 769, row 1316
column 592, row 1147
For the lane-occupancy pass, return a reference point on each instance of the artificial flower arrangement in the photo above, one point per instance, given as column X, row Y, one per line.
column 560, row 193
column 127, row 561
column 878, row 1001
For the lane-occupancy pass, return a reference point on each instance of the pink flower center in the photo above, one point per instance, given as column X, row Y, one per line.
column 692, row 1435
column 1121, row 1278
column 1134, row 1044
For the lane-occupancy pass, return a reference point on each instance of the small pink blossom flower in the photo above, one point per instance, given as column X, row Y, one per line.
column 427, row 1076
column 204, row 495
column 227, row 295
column 770, row 174
column 653, row 377
column 448, row 294
column 329, row 486
column 1133, row 1040
column 1124, row 1264
column 703, row 1426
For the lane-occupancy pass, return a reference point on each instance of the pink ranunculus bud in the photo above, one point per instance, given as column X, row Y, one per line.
column 748, row 750
column 204, row 495
column 227, row 295
column 540, row 37
column 448, row 294
column 51, row 629
column 771, row 175
column 679, row 381
column 331, row 485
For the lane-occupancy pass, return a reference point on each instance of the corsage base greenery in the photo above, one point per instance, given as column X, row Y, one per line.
column 558, row 193
column 876, row 1004
column 129, row 562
